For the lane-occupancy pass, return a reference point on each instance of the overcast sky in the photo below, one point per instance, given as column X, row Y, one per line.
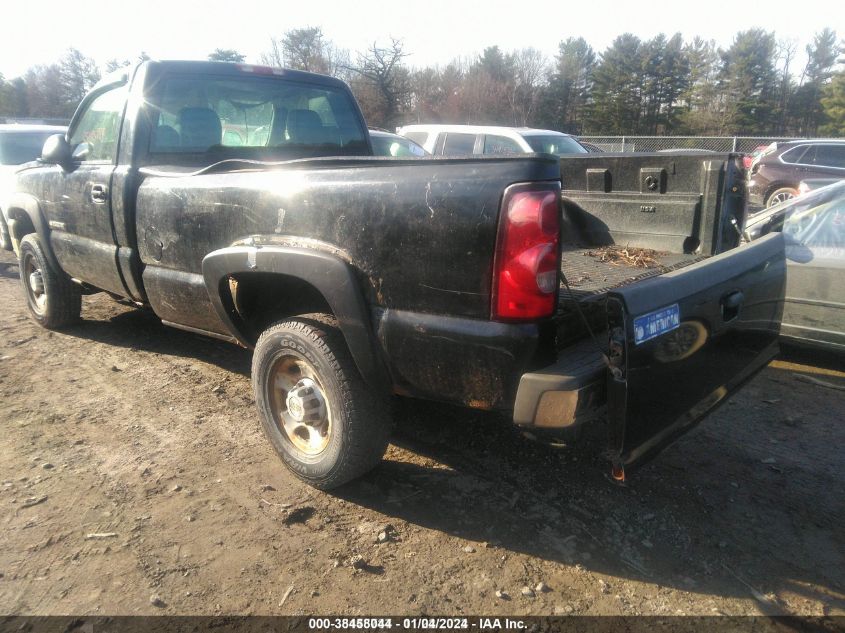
column 434, row 31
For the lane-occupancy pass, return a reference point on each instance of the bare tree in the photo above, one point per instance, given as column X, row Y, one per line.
column 530, row 68
column 381, row 67
column 309, row 50
column 113, row 64
column 786, row 54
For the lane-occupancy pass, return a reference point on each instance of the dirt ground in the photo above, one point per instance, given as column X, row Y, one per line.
column 135, row 479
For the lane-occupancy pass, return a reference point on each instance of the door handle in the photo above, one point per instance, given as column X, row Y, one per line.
column 99, row 194
column 731, row 303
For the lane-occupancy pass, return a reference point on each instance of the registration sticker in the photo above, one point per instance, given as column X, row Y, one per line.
column 653, row 324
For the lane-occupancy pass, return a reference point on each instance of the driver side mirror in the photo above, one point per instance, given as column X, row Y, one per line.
column 56, row 150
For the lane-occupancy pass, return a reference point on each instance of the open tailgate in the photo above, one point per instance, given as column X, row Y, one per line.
column 682, row 342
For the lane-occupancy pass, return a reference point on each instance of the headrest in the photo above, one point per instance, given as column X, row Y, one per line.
column 304, row 119
column 200, row 128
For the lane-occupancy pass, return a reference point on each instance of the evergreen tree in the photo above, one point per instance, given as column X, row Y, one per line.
column 496, row 64
column 617, row 89
column 45, row 95
column 833, row 102
column 664, row 77
column 566, row 94
column 226, row 55
column 750, row 83
column 807, row 112
column 6, row 97
column 77, row 75
column 700, row 100
column 833, row 106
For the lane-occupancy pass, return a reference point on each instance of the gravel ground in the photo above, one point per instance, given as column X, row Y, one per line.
column 135, row 480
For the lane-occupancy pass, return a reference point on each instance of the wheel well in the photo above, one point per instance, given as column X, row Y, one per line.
column 23, row 223
column 261, row 299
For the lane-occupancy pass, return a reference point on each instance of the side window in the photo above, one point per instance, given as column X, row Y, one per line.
column 458, row 144
column 793, row 155
column 500, row 145
column 830, row 156
column 808, row 157
column 99, row 127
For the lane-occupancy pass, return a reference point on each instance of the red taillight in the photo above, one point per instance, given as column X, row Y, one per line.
column 525, row 269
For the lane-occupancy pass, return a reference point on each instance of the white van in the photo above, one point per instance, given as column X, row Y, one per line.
column 462, row 140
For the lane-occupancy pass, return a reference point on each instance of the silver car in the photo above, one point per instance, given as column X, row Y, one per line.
column 814, row 224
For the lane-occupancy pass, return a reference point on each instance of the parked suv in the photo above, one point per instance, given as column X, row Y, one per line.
column 465, row 140
column 775, row 175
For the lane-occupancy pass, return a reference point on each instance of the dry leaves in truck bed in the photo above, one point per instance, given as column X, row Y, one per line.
column 627, row 256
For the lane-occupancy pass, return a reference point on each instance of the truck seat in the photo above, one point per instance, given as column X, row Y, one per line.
column 165, row 137
column 305, row 126
column 200, row 128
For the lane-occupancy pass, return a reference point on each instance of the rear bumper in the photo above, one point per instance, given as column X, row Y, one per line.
column 565, row 394
column 466, row 361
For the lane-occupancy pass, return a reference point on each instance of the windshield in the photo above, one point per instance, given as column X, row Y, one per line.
column 805, row 201
column 17, row 148
column 395, row 146
column 255, row 117
column 554, row 144
column 816, row 219
column 820, row 227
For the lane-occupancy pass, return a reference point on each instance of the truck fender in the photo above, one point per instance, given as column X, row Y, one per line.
column 331, row 276
column 21, row 207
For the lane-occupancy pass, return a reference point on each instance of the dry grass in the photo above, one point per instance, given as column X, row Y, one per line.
column 628, row 256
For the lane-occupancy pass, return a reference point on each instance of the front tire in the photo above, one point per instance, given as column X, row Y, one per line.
column 54, row 301
column 781, row 195
column 315, row 408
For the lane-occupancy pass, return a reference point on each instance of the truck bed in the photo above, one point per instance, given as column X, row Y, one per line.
column 593, row 271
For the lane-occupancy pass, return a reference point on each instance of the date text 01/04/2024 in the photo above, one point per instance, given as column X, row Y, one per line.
column 416, row 623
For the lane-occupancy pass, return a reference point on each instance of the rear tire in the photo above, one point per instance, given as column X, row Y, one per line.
column 315, row 408
column 54, row 301
column 781, row 195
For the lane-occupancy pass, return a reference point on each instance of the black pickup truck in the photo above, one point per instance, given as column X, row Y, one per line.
column 244, row 203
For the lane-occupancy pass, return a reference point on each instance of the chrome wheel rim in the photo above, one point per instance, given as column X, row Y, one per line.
column 780, row 197
column 33, row 279
column 300, row 409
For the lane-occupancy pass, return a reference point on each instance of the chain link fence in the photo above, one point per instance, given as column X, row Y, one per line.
column 744, row 144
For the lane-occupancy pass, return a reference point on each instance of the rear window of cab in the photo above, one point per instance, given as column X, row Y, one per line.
column 228, row 114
